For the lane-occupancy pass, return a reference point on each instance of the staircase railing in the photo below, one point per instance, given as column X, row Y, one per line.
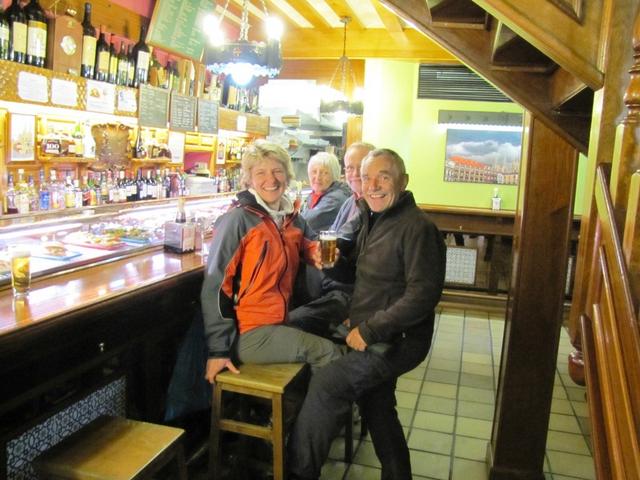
column 611, row 346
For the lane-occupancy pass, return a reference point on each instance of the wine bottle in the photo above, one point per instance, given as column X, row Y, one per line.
column 123, row 65
column 88, row 44
column 5, row 32
column 132, row 67
column 36, row 34
column 113, row 62
column 102, row 58
column 18, row 39
column 140, row 151
column 142, row 57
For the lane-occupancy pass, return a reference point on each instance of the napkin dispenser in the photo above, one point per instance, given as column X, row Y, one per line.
column 180, row 237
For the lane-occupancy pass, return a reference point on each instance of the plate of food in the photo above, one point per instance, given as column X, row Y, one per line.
column 91, row 240
column 53, row 250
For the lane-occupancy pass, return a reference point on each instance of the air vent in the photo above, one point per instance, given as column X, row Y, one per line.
column 445, row 82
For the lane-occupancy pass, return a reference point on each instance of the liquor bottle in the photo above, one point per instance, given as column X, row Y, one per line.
column 122, row 187
column 77, row 194
column 5, row 34
column 123, row 65
column 132, row 67
column 88, row 44
column 113, row 62
column 78, row 140
column 36, row 34
column 44, row 194
column 104, row 190
column 142, row 58
column 34, row 198
column 151, row 186
column 85, row 191
column 22, row 193
column 18, row 39
column 69, row 193
column 56, row 196
column 102, row 58
column 10, row 197
column 140, row 151
column 140, row 187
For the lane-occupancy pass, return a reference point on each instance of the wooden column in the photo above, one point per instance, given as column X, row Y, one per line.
column 534, row 311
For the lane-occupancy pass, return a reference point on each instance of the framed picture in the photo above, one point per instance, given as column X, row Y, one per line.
column 22, row 135
column 483, row 156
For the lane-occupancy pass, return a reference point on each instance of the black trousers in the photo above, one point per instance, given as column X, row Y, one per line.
column 369, row 379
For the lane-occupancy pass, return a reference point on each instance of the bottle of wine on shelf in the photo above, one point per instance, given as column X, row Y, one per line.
column 140, row 151
column 123, row 65
column 102, row 58
column 113, row 62
column 88, row 44
column 142, row 57
column 5, row 32
column 18, row 39
column 132, row 67
column 36, row 34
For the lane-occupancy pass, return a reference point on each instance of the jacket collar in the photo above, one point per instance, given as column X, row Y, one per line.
column 404, row 199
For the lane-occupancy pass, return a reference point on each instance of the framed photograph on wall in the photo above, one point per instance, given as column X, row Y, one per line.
column 22, row 137
column 483, row 156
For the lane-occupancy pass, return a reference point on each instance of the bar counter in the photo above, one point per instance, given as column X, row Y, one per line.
column 59, row 296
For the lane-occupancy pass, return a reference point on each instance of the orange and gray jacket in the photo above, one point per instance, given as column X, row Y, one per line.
column 250, row 272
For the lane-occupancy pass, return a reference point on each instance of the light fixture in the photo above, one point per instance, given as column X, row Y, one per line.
column 338, row 98
column 243, row 60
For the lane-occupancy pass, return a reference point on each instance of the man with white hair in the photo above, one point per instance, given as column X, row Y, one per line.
column 398, row 259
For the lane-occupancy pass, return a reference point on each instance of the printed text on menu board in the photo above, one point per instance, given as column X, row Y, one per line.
column 182, row 113
column 176, row 26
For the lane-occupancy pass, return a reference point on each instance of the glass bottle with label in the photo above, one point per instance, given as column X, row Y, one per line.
column 10, row 197
column 88, row 44
column 36, row 34
column 18, row 39
column 5, row 32
column 22, row 193
column 142, row 57
column 44, row 194
column 113, row 62
column 102, row 58
column 123, row 65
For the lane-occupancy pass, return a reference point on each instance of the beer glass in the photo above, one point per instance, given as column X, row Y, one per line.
column 328, row 244
column 20, row 270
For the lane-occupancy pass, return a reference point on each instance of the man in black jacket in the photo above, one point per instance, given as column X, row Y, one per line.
column 399, row 261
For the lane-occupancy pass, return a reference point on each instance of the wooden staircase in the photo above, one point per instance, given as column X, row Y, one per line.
column 510, row 44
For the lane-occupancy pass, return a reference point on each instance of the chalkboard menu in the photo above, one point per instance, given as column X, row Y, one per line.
column 207, row 116
column 182, row 116
column 177, row 26
column 154, row 104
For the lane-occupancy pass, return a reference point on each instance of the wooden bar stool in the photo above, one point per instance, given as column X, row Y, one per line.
column 275, row 382
column 116, row 449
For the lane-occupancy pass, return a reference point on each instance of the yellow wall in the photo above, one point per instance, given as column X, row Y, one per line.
column 395, row 118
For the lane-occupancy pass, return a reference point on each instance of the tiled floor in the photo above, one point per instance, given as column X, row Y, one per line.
column 446, row 406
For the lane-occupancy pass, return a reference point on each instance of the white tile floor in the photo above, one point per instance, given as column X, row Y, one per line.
column 446, row 406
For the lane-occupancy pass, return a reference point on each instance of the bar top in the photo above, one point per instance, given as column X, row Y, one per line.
column 58, row 295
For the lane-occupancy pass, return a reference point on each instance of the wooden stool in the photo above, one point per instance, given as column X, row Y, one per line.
column 272, row 382
column 116, row 449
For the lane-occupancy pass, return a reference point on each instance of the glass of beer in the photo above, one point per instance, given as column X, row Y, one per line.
column 20, row 270
column 328, row 244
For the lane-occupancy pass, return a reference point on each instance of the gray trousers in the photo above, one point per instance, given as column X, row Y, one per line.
column 283, row 344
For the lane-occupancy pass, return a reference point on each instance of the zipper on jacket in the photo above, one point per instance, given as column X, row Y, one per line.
column 254, row 274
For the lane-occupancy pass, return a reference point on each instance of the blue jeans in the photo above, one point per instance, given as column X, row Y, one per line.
column 370, row 380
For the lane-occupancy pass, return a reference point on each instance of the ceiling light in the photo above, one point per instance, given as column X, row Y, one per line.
column 244, row 60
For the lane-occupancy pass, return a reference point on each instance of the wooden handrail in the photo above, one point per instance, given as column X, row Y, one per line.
column 611, row 346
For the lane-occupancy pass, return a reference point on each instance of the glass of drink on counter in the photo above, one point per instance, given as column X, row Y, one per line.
column 328, row 245
column 20, row 270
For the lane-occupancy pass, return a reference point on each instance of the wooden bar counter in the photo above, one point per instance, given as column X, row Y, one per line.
column 120, row 319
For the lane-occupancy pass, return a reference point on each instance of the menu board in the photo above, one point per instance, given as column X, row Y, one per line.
column 177, row 26
column 182, row 116
column 207, row 116
column 154, row 103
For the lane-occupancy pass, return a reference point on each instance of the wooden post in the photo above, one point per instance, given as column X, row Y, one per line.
column 534, row 311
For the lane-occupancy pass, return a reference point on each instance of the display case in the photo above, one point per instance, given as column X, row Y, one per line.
column 70, row 239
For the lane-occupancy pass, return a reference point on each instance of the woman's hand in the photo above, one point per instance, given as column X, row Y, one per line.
column 216, row 365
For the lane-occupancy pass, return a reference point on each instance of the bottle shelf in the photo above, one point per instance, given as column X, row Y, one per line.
column 65, row 159
column 151, row 161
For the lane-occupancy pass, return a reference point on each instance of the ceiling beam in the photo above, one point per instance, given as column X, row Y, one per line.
column 367, row 43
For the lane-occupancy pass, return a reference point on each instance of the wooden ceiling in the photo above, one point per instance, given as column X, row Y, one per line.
column 313, row 30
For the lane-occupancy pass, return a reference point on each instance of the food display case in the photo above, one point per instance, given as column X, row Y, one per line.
column 71, row 239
